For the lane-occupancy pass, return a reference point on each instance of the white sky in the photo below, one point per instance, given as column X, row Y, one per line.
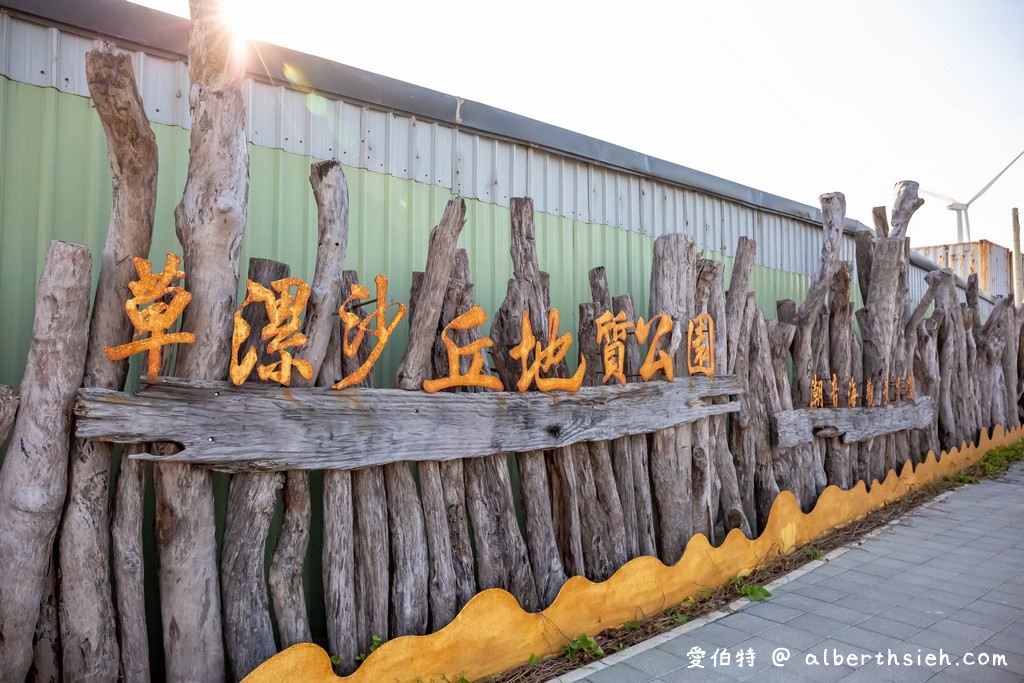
column 794, row 97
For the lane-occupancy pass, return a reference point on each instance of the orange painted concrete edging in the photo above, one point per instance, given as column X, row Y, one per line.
column 492, row 634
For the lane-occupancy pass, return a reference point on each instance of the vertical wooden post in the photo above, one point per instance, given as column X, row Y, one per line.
column 33, row 478
column 87, row 624
column 209, row 220
column 252, row 499
column 672, row 291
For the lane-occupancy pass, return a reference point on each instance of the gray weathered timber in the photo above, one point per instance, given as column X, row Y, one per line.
column 415, row 363
column 636, row 445
column 327, row 429
column 330, row 190
column 252, row 500
column 438, row 534
column 730, row 495
column 9, row 401
column 527, row 296
column 793, row 427
column 286, row 565
column 338, row 559
column 736, row 297
column 703, row 475
column 671, row 458
column 209, row 221
column 865, row 255
column 763, row 400
column 501, row 557
column 370, row 553
column 129, row 588
column 46, row 643
column 33, row 479
column 410, row 575
column 609, row 507
column 90, row 649
column 833, row 212
column 838, row 468
column 248, row 633
column 740, row 440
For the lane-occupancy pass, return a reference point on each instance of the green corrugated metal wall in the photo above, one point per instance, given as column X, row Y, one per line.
column 55, row 184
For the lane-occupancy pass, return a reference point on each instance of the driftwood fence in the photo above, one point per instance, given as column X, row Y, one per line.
column 508, row 490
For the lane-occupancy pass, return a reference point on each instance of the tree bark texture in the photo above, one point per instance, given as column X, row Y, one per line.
column 33, row 479
column 129, row 567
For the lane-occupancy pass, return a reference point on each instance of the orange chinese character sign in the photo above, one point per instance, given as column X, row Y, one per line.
column 701, row 346
column 656, row 358
column 611, row 331
column 834, row 393
column 475, row 377
column 382, row 329
column 283, row 310
column 545, row 357
column 852, row 394
column 158, row 316
column 817, row 387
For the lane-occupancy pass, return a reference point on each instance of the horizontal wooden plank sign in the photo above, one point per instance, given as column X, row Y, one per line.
column 278, row 428
column 794, row 427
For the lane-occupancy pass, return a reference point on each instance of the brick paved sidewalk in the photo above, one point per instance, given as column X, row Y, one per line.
column 946, row 580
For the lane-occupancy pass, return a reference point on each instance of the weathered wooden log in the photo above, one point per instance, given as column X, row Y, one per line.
column 793, row 427
column 1011, row 334
column 838, row 468
column 452, row 472
column 730, row 497
column 704, row 478
column 286, row 565
column 9, row 401
column 634, row 447
column 441, row 595
column 415, row 363
column 252, row 500
column 338, row 561
column 527, row 297
column 793, row 466
column 209, row 221
column 501, row 558
column 764, row 400
column 926, row 381
column 611, row 518
column 33, row 478
column 741, row 442
column 880, row 220
column 673, row 272
column 865, row 251
column 129, row 587
column 833, row 211
column 87, row 611
column 486, row 421
column 414, row 566
column 736, row 297
column 46, row 643
column 330, row 191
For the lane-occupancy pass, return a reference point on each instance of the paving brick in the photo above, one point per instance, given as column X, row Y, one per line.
column 621, row 673
column 889, row 627
column 657, row 662
column 748, row 623
column 868, row 640
column 773, row 611
column 817, row 624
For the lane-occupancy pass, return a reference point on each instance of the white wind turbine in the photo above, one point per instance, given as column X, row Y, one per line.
column 962, row 218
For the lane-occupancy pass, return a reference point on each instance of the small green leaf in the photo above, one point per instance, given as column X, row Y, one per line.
column 756, row 593
column 679, row 619
column 533, row 659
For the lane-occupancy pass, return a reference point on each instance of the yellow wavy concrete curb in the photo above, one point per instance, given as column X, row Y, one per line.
column 493, row 634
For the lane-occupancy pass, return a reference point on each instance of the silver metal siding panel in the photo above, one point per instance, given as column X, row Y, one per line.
column 350, row 138
column 375, row 140
column 400, row 145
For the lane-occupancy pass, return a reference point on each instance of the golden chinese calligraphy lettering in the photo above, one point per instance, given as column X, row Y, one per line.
column 886, row 388
column 474, row 377
column 910, row 388
column 158, row 316
column 545, row 357
column 817, row 400
column 834, row 393
column 869, row 393
column 701, row 346
column 899, row 388
column 381, row 329
column 852, row 394
column 612, row 332
column 283, row 311
column 656, row 358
